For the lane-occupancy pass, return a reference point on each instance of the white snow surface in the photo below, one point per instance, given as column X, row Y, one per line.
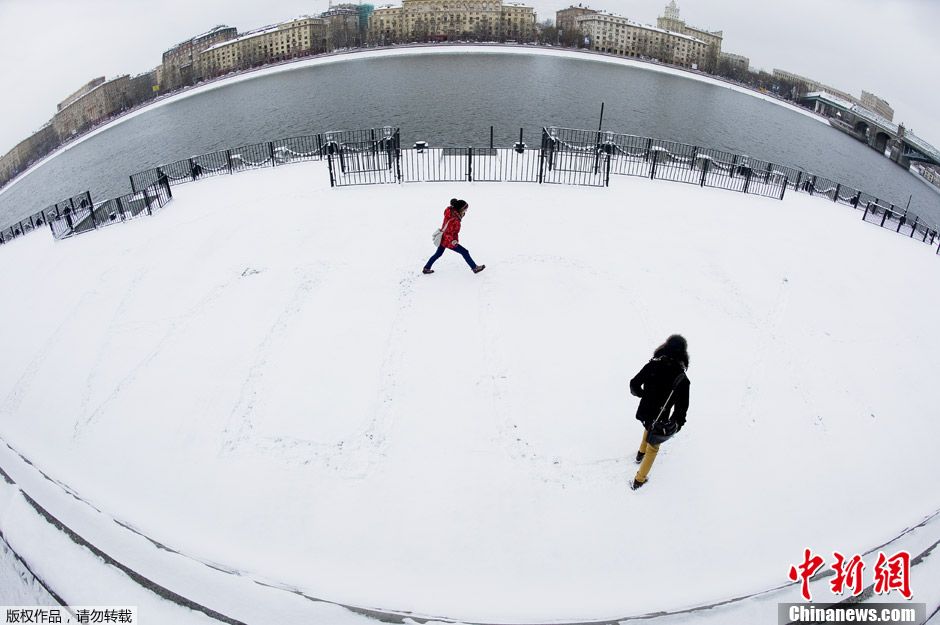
column 260, row 377
column 413, row 50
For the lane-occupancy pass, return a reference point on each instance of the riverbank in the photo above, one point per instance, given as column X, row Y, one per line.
column 406, row 50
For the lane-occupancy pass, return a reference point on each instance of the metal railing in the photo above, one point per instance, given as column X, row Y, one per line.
column 565, row 156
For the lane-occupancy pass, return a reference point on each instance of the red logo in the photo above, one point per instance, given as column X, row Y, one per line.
column 893, row 573
column 890, row 573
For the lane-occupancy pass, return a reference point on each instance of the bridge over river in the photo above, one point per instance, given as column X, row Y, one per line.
column 878, row 132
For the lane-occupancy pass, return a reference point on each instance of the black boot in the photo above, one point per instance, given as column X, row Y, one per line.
column 636, row 485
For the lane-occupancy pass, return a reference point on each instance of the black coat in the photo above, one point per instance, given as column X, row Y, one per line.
column 652, row 385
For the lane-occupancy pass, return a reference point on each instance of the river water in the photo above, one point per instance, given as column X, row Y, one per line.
column 452, row 100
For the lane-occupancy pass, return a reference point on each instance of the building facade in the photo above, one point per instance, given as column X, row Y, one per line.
column 618, row 35
column 88, row 86
column 447, row 20
column 877, row 105
column 566, row 20
column 292, row 39
column 737, row 62
column 671, row 21
column 343, row 23
column 808, row 85
column 92, row 107
column 179, row 62
column 27, row 152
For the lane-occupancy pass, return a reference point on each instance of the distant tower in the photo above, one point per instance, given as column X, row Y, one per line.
column 672, row 11
column 670, row 19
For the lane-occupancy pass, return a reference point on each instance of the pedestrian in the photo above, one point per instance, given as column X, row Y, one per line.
column 446, row 236
column 663, row 389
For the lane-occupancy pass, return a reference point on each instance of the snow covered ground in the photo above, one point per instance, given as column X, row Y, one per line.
column 259, row 379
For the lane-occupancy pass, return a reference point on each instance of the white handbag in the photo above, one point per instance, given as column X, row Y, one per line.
column 438, row 234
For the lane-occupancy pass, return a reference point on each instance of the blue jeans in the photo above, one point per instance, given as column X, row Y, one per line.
column 457, row 248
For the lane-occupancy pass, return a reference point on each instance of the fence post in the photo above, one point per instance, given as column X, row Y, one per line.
column 783, row 189
column 865, row 214
column 914, row 227
column 767, row 175
column 649, row 146
column 320, row 145
column 858, row 198
column 165, row 181
column 694, row 156
column 271, row 152
column 120, row 207
column 812, row 186
column 653, row 168
column 734, row 165
column 835, row 198
column 542, row 159
column 705, row 163
column 884, row 216
column 747, row 179
column 329, row 160
column 398, row 162
column 470, row 164
column 799, row 178
column 901, row 221
column 228, row 159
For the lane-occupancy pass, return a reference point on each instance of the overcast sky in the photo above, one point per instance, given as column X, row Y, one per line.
column 49, row 48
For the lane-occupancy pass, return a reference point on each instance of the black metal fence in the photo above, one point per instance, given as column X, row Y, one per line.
column 81, row 218
column 565, row 156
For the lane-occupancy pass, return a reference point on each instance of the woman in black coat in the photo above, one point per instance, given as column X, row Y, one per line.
column 663, row 389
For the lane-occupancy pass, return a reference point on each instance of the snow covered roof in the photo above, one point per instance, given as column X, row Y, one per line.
column 628, row 21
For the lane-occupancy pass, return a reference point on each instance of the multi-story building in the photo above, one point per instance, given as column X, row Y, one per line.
column 92, row 107
column 566, row 20
column 439, row 20
column 143, row 87
column 736, row 62
column 27, row 151
column 808, row 84
column 877, row 105
column 343, row 23
column 618, row 35
column 88, row 86
column 671, row 21
column 299, row 37
column 178, row 67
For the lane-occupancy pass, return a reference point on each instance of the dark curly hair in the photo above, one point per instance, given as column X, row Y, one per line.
column 675, row 347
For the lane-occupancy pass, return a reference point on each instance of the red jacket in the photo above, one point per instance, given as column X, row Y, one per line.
column 451, row 228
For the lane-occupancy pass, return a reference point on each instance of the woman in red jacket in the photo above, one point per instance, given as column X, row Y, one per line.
column 453, row 214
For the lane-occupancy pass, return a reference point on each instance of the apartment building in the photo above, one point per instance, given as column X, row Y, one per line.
column 440, row 20
column 92, row 106
column 877, row 105
column 618, row 35
column 671, row 21
column 178, row 67
column 295, row 38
